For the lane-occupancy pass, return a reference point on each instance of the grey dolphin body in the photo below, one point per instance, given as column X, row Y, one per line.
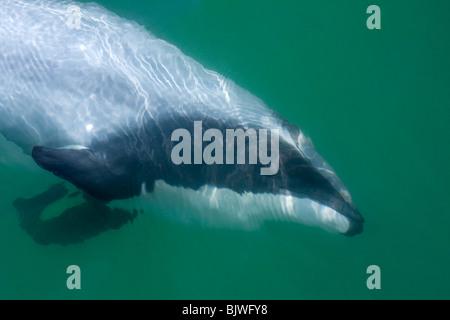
column 113, row 88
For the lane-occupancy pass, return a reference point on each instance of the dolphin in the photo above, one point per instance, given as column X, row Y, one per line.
column 95, row 99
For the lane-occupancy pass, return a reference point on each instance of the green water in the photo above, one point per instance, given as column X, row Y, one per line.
column 376, row 104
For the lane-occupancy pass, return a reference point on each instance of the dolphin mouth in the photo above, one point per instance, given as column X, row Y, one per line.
column 355, row 220
column 355, row 223
column 355, row 228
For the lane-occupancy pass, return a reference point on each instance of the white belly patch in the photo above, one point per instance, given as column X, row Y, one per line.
column 210, row 206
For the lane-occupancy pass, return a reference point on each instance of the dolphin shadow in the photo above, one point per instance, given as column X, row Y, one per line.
column 75, row 224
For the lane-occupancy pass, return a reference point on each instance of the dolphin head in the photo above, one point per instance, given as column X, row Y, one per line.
column 314, row 198
column 311, row 178
column 104, row 177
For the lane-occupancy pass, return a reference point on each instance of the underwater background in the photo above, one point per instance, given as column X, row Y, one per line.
column 376, row 104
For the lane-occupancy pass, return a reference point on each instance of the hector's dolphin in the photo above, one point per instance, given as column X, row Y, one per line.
column 101, row 102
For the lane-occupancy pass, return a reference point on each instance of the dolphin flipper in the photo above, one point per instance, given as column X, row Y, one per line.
column 72, row 226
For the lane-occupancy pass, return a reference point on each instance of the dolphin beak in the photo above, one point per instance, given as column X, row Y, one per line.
column 356, row 227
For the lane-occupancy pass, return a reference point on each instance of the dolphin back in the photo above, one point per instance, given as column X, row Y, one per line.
column 62, row 85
